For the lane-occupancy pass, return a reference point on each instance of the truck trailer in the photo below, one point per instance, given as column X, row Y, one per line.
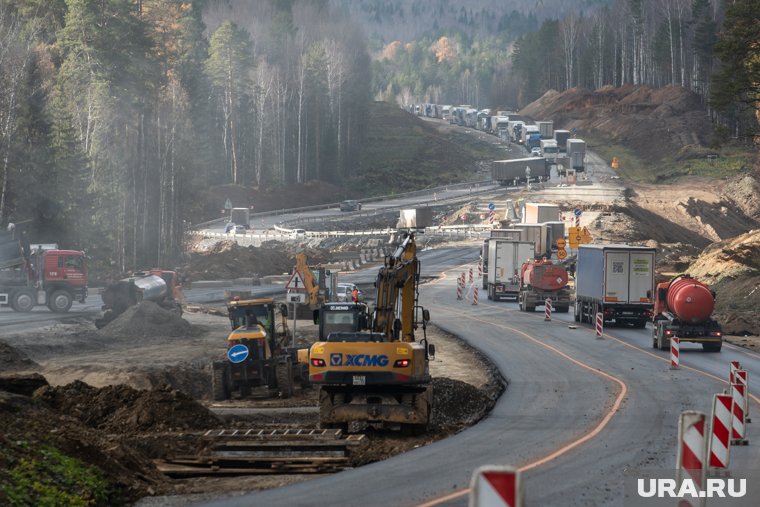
column 512, row 234
column 546, row 128
column 505, row 256
column 616, row 281
column 539, row 235
column 561, row 136
column 508, row 172
column 539, row 212
column 576, row 152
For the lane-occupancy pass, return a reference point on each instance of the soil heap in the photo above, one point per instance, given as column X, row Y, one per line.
column 146, row 319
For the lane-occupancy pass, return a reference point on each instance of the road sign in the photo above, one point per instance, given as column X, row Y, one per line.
column 491, row 206
column 561, row 254
column 295, row 282
column 496, row 486
column 561, row 243
column 577, row 212
column 296, row 297
column 237, row 353
column 228, row 204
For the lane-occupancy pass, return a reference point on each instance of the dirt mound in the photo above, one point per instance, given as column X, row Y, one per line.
column 146, row 320
column 65, row 457
column 226, row 260
column 744, row 193
column 633, row 116
column 457, row 403
column 122, row 409
column 12, row 359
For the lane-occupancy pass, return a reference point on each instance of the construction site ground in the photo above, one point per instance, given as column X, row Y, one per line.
column 145, row 395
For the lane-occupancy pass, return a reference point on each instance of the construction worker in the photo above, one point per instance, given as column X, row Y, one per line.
column 355, row 295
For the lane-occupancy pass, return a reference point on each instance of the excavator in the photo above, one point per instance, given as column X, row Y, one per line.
column 380, row 375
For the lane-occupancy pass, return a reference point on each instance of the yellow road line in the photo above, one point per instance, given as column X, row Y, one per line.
column 572, row 445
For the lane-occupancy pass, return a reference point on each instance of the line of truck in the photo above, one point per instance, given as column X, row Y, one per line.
column 614, row 280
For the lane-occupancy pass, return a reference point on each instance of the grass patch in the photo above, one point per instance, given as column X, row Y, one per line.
column 44, row 476
column 689, row 161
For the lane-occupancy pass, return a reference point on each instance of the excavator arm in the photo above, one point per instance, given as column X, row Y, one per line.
column 397, row 287
column 310, row 282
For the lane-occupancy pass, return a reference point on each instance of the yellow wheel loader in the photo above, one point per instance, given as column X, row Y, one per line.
column 257, row 355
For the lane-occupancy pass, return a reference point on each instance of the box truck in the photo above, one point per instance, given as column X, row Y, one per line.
column 505, row 257
column 508, row 172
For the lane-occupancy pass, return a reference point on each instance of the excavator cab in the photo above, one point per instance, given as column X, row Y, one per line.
column 341, row 318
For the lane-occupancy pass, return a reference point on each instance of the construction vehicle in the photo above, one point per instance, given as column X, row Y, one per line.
column 159, row 286
column 380, row 375
column 257, row 353
column 341, row 318
column 320, row 284
column 541, row 280
column 39, row 274
column 683, row 309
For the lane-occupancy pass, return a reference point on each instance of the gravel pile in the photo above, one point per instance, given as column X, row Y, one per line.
column 146, row 320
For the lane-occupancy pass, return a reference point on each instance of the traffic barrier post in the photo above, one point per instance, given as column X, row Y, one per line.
column 470, row 279
column 496, row 486
column 599, row 325
column 459, row 288
column 675, row 359
column 738, row 431
column 742, row 376
column 690, row 458
column 720, row 432
column 548, row 309
column 475, row 295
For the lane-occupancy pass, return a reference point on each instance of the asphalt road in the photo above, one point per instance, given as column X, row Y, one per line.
column 602, row 406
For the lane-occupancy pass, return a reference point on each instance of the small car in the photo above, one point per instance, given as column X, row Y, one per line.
column 297, row 234
column 240, row 229
column 350, row 205
column 229, row 227
column 344, row 290
column 535, row 152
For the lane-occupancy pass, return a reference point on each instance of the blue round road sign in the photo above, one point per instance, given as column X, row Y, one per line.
column 491, row 206
column 237, row 353
column 577, row 212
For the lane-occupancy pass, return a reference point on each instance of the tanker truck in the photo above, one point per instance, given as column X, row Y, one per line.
column 158, row 286
column 683, row 308
column 540, row 280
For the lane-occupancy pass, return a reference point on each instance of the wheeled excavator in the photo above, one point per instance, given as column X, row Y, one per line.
column 380, row 375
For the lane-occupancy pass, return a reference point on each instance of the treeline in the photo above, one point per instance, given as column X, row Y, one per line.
column 117, row 115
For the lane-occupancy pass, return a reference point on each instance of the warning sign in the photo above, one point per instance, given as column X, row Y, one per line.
column 561, row 254
column 295, row 282
column 561, row 243
column 496, row 486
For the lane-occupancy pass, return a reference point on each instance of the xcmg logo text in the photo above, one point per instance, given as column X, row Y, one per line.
column 714, row 488
column 358, row 360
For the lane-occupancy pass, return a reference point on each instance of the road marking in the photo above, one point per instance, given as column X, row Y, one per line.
column 741, row 350
column 572, row 445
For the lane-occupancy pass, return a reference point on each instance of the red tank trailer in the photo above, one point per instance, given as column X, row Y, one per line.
column 683, row 308
column 540, row 280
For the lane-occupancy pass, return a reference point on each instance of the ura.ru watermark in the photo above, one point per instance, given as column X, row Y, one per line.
column 688, row 488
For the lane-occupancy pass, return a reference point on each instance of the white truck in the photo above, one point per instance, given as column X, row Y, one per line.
column 616, row 281
column 576, row 152
column 505, row 258
column 546, row 128
column 507, row 172
column 549, row 150
column 513, row 234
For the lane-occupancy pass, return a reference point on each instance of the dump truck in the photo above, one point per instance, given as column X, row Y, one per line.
column 382, row 375
column 42, row 275
column 616, row 281
column 541, row 280
column 505, row 256
column 508, row 172
column 159, row 286
column 257, row 353
column 683, row 308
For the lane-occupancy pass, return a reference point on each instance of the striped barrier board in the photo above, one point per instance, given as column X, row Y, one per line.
column 690, row 459
column 675, row 354
column 720, row 434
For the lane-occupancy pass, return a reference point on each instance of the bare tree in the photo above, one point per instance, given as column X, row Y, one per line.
column 569, row 30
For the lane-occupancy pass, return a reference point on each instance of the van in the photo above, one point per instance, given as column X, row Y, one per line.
column 297, row 234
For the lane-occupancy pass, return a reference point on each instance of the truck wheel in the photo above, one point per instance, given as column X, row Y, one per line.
column 654, row 336
column 284, row 374
column 23, row 301
column 220, row 389
column 60, row 301
column 576, row 314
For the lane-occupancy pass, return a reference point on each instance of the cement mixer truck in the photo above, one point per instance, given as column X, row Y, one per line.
column 158, row 286
column 540, row 280
column 683, row 308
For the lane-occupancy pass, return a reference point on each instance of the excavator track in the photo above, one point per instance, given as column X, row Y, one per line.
column 262, row 451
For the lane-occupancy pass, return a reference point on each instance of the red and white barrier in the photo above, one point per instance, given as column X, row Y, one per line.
column 475, row 296
column 742, row 377
column 470, row 275
column 480, row 270
column 732, row 368
column 738, row 431
column 720, row 434
column 690, row 461
column 548, row 309
column 675, row 353
column 459, row 288
column 599, row 325
column 496, row 486
column 577, row 221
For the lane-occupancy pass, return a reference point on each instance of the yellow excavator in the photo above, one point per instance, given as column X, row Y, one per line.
column 380, row 375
